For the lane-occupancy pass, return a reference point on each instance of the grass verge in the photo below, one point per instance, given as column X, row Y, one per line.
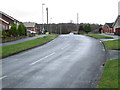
column 109, row 77
column 15, row 48
column 51, row 35
column 113, row 44
column 99, row 36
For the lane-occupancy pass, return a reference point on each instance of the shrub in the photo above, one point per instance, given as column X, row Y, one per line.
column 22, row 30
column 87, row 28
column 13, row 30
column 4, row 33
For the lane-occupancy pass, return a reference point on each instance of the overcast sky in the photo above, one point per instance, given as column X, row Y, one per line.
column 62, row 11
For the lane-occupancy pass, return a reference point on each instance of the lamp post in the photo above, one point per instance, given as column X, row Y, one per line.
column 42, row 18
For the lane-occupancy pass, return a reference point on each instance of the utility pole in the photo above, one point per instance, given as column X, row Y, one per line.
column 77, row 22
column 47, row 17
column 50, row 25
column 42, row 18
column 60, row 28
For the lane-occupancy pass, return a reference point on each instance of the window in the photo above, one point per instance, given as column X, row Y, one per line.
column 3, row 27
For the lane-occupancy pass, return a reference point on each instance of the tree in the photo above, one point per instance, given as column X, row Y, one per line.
column 4, row 33
column 13, row 30
column 81, row 28
column 22, row 30
column 87, row 28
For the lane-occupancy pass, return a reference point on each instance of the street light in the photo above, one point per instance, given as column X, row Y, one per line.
column 42, row 18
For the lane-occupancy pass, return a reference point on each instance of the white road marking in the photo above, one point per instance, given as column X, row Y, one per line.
column 65, row 47
column 3, row 77
column 42, row 58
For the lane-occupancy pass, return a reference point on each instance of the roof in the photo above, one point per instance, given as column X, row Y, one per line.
column 116, row 20
column 110, row 24
column 2, row 13
column 29, row 24
column 4, row 21
column 7, row 15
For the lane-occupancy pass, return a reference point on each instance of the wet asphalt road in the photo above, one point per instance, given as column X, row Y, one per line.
column 69, row 61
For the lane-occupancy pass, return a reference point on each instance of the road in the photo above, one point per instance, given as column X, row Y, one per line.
column 69, row 61
column 21, row 40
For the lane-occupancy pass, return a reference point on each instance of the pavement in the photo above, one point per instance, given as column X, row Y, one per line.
column 21, row 40
column 110, row 35
column 112, row 54
column 69, row 61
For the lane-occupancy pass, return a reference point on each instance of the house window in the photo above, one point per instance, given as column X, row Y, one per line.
column 3, row 27
column 0, row 27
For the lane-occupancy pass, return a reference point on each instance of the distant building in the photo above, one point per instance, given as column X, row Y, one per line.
column 113, row 28
column 6, row 21
column 108, row 28
column 31, row 26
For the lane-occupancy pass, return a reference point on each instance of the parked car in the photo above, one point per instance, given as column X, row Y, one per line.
column 30, row 33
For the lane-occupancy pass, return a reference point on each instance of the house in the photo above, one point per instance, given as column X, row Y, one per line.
column 32, row 26
column 6, row 21
column 108, row 28
column 116, row 25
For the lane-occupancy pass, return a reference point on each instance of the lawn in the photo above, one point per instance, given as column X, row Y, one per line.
column 109, row 77
column 11, row 49
column 112, row 45
column 99, row 36
column 51, row 35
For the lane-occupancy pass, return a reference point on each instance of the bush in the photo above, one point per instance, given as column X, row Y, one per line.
column 87, row 28
column 4, row 33
column 22, row 30
column 13, row 30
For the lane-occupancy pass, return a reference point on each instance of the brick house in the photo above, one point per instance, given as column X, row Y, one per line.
column 108, row 28
column 6, row 21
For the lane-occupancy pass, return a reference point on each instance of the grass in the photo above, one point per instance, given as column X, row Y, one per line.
column 109, row 77
column 99, row 36
column 112, row 45
column 11, row 49
column 51, row 35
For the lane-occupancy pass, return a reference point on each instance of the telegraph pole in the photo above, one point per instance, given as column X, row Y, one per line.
column 60, row 28
column 42, row 18
column 77, row 22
